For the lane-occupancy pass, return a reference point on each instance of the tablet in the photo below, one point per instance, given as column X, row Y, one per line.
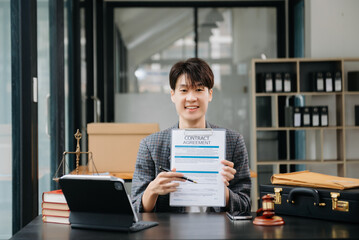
column 100, row 202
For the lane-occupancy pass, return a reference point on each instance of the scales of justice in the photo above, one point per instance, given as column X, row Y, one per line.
column 78, row 152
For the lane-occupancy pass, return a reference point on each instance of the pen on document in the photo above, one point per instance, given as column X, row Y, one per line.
column 185, row 178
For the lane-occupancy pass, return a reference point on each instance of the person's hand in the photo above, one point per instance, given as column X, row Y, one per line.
column 227, row 171
column 165, row 183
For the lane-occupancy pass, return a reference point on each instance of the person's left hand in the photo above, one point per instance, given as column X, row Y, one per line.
column 228, row 171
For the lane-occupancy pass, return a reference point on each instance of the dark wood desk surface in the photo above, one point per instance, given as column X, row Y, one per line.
column 199, row 226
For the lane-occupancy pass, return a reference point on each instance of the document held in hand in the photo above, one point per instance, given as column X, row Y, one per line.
column 197, row 154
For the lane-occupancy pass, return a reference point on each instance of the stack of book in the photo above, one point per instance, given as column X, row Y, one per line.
column 54, row 207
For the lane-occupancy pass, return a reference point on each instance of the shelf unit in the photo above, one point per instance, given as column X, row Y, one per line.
column 324, row 145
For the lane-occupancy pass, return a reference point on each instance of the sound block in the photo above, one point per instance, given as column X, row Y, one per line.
column 273, row 221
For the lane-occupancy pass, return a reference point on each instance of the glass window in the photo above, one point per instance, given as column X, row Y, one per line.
column 152, row 39
column 43, row 73
column 228, row 39
column 5, row 123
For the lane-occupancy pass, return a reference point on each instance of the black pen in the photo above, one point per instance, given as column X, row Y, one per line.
column 185, row 178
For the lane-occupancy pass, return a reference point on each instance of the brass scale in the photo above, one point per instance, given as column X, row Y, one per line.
column 78, row 152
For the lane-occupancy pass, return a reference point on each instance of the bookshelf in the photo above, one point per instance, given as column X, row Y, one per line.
column 277, row 147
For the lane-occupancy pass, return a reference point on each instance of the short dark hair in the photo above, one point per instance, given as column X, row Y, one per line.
column 198, row 72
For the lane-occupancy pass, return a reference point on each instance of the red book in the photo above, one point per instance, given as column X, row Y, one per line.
column 55, row 213
column 53, row 219
column 55, row 196
column 54, row 206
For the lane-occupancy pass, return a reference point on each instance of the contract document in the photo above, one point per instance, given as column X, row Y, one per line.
column 197, row 154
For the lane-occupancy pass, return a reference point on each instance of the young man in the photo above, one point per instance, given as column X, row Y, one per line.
column 191, row 84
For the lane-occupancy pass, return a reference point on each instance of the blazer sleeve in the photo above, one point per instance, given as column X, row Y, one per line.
column 240, row 185
column 143, row 175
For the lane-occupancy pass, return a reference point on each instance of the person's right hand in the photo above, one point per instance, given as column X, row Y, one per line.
column 165, row 183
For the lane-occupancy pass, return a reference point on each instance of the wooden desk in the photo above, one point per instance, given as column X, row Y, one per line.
column 127, row 176
column 198, row 226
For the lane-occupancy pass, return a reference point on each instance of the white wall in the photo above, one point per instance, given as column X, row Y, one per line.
column 331, row 30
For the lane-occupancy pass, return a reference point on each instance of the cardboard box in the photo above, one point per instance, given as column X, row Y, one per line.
column 115, row 145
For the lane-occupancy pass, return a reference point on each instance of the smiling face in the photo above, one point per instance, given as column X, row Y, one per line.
column 191, row 102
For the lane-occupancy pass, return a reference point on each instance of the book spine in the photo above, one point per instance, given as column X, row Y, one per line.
column 46, row 219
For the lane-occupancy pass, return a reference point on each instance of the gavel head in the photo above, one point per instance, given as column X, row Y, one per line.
column 268, row 206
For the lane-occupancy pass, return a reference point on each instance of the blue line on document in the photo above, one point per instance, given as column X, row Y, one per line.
column 198, row 172
column 184, row 146
column 196, row 157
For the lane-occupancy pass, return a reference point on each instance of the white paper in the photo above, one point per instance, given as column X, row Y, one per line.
column 197, row 154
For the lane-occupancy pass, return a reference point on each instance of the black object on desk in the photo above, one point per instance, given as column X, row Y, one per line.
column 100, row 202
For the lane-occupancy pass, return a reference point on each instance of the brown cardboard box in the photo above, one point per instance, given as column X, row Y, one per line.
column 115, row 145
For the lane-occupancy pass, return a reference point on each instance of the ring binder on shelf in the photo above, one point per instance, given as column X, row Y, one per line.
column 328, row 82
column 315, row 117
column 306, row 119
column 319, row 82
column 278, row 82
column 287, row 82
column 268, row 82
column 324, row 116
column 338, row 82
column 353, row 81
column 297, row 117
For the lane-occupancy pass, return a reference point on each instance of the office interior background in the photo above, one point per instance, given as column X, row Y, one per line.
column 108, row 61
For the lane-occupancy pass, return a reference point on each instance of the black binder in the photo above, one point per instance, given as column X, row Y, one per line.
column 278, row 82
column 100, row 202
column 338, row 82
column 319, row 83
column 315, row 117
column 260, row 83
column 328, row 82
column 287, row 83
column 297, row 122
column 353, row 81
column 306, row 118
column 324, row 120
column 268, row 82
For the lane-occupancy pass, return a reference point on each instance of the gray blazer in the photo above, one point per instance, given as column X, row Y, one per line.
column 155, row 151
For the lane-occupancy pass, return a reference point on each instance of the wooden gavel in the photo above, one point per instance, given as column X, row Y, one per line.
column 268, row 217
column 267, row 206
